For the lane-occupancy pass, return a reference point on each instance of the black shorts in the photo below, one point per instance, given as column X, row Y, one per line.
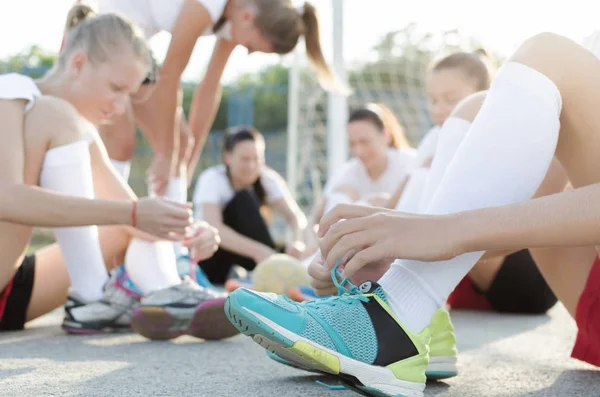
column 519, row 287
column 14, row 299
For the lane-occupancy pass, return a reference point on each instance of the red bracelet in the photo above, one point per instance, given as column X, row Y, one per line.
column 134, row 214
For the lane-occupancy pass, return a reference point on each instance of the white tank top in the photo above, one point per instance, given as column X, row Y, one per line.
column 154, row 16
column 18, row 86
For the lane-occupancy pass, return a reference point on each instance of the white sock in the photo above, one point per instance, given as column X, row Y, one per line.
column 411, row 196
column 151, row 265
column 67, row 170
column 122, row 167
column 502, row 160
column 177, row 191
column 450, row 137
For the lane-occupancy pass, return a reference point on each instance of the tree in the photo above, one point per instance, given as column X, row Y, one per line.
column 34, row 61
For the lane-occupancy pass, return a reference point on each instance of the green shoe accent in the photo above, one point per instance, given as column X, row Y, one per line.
column 442, row 348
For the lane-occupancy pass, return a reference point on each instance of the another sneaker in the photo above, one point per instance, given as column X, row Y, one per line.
column 112, row 313
column 187, row 267
column 184, row 309
column 355, row 336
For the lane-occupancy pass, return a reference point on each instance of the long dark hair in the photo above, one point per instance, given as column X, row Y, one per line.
column 231, row 138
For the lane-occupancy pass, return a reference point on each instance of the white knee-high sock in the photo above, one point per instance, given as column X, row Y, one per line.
column 151, row 265
column 176, row 191
column 502, row 160
column 67, row 170
column 122, row 167
column 451, row 136
column 411, row 197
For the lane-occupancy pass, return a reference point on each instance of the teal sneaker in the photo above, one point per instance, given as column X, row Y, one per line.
column 355, row 336
column 442, row 350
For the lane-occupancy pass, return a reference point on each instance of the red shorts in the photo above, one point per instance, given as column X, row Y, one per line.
column 465, row 296
column 4, row 294
column 587, row 317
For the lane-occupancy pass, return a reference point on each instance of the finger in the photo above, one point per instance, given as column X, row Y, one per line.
column 341, row 229
column 318, row 271
column 321, row 284
column 363, row 258
column 343, row 211
column 351, row 242
column 176, row 236
column 326, row 291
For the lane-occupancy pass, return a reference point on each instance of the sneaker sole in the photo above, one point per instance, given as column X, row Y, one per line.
column 83, row 329
column 441, row 367
column 208, row 322
column 438, row 368
column 373, row 380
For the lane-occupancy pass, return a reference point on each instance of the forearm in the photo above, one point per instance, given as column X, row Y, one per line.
column 570, row 218
column 237, row 243
column 298, row 225
column 33, row 206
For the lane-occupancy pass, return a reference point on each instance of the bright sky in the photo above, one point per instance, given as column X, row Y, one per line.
column 500, row 25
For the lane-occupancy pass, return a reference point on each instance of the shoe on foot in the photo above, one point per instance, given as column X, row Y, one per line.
column 354, row 335
column 183, row 309
column 112, row 313
column 442, row 350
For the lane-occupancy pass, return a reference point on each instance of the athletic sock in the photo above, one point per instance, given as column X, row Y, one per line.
column 502, row 160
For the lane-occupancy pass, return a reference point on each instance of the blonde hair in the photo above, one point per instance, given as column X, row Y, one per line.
column 282, row 24
column 100, row 35
column 383, row 118
column 476, row 65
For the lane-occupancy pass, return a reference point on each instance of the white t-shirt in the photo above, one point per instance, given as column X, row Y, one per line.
column 18, row 86
column 213, row 187
column 354, row 174
column 427, row 146
column 154, row 16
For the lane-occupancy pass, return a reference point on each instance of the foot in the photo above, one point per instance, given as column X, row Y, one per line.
column 112, row 313
column 442, row 350
column 184, row 309
column 355, row 336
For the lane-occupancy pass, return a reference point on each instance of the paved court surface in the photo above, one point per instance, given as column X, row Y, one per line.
column 500, row 356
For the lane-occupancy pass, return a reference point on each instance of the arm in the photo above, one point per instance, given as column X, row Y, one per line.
column 207, row 97
column 232, row 240
column 160, row 112
column 109, row 185
column 571, row 218
column 293, row 215
column 34, row 206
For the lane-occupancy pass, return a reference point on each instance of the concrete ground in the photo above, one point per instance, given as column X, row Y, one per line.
column 500, row 355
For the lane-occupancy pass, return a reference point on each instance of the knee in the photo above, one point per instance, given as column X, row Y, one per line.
column 468, row 108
